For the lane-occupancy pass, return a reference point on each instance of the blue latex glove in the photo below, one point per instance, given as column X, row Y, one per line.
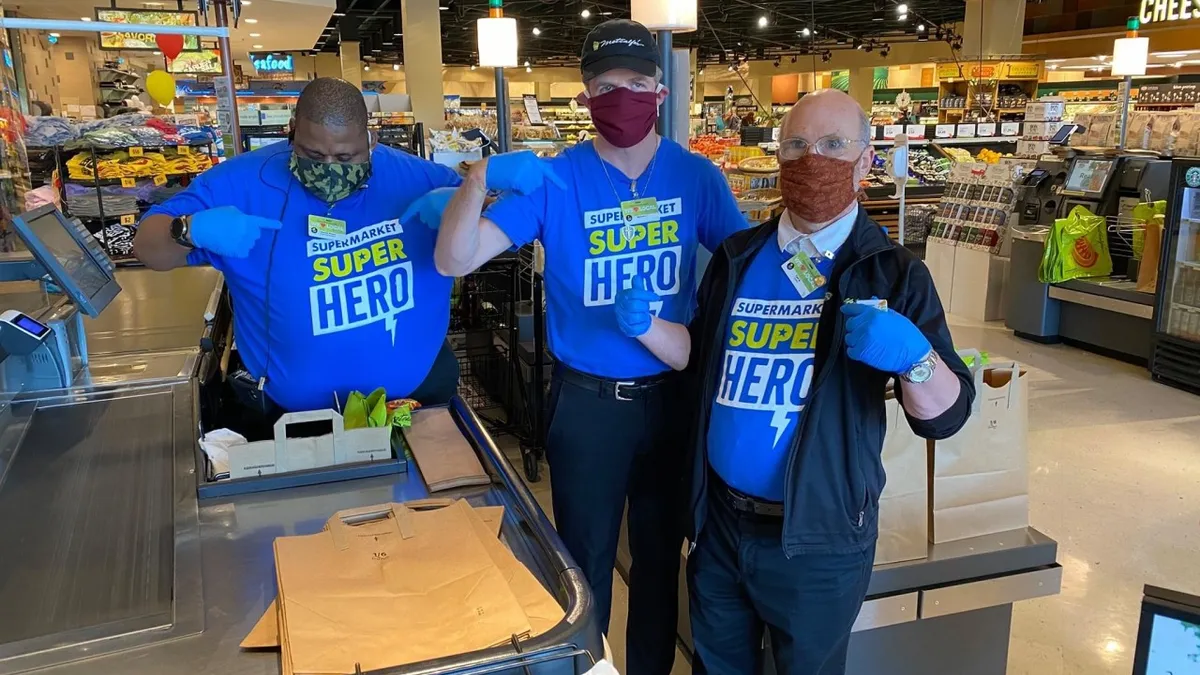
column 633, row 308
column 883, row 338
column 429, row 207
column 521, row 172
column 227, row 231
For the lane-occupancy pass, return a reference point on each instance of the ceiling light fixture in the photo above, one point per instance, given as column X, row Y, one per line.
column 700, row 72
column 586, row 13
column 902, row 8
column 1051, row 66
column 395, row 66
column 442, row 9
column 260, row 34
column 339, row 14
column 903, row 17
column 54, row 35
column 731, row 67
column 257, row 46
column 806, row 32
column 528, row 69
column 157, row 53
column 251, row 20
column 366, row 67
column 246, row 3
column 537, row 31
column 85, row 18
column 920, row 28
column 763, row 21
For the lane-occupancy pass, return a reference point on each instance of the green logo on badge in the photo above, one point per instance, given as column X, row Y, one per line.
column 1193, row 176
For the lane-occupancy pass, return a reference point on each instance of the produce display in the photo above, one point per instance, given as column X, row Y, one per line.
column 535, row 133
column 712, row 146
column 452, row 140
column 958, row 154
column 925, row 167
column 759, row 164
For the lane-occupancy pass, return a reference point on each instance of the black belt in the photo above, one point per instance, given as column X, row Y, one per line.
column 743, row 503
column 621, row 390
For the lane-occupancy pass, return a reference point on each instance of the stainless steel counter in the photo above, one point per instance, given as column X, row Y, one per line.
column 154, row 312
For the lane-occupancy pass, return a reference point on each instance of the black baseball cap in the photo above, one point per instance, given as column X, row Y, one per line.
column 619, row 43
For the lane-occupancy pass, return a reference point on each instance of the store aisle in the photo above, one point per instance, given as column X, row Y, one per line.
column 1114, row 478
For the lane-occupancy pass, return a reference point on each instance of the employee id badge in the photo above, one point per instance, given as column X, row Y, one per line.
column 322, row 227
column 803, row 274
column 637, row 212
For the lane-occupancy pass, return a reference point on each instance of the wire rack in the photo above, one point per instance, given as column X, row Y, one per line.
column 1125, row 236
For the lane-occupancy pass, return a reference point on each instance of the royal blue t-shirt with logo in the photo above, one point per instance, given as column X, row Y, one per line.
column 355, row 312
column 589, row 258
column 766, row 374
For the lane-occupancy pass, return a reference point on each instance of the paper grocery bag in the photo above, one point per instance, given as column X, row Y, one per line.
column 979, row 478
column 1147, row 280
column 388, row 591
column 445, row 458
column 903, row 522
column 265, row 634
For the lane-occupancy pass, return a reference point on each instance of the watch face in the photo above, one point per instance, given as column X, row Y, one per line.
column 920, row 373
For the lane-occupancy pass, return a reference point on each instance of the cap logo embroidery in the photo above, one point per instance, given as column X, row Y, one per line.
column 617, row 41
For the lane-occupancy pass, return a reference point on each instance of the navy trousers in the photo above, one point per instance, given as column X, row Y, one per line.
column 603, row 451
column 740, row 583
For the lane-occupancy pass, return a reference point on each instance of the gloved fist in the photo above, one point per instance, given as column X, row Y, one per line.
column 227, row 231
column 633, row 308
column 883, row 338
column 521, row 172
column 428, row 207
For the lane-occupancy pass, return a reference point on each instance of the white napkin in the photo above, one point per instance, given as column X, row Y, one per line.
column 216, row 445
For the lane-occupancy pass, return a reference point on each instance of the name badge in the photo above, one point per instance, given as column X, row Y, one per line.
column 637, row 212
column 803, row 273
column 326, row 228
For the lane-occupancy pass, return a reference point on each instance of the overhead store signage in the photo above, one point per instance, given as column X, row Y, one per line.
column 203, row 62
column 1002, row 70
column 1156, row 11
column 273, row 63
column 144, row 41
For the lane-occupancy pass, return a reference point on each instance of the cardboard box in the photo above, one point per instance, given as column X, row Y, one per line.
column 979, row 281
column 940, row 259
column 1044, row 111
column 1041, row 131
column 1032, row 148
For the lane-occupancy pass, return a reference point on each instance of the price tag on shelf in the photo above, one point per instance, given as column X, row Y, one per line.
column 128, row 219
column 915, row 131
column 966, row 130
column 136, row 151
column 944, row 131
column 891, row 131
column 1010, row 128
column 128, row 182
column 160, row 179
column 183, row 149
column 986, row 128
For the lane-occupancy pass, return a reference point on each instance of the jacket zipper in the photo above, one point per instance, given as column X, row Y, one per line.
column 826, row 368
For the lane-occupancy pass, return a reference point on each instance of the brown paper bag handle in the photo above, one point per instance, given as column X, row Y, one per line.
column 342, row 521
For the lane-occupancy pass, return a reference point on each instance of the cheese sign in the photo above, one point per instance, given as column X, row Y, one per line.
column 915, row 131
column 1158, row 11
column 986, row 128
column 1010, row 128
column 891, row 131
column 966, row 130
column 944, row 131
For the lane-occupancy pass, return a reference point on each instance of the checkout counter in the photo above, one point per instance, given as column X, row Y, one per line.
column 110, row 561
column 1105, row 314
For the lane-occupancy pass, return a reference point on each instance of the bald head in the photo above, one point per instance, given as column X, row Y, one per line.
column 825, row 112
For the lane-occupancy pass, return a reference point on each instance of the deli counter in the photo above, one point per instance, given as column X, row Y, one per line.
column 110, row 560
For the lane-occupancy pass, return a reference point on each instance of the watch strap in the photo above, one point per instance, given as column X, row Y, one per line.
column 928, row 361
column 181, row 231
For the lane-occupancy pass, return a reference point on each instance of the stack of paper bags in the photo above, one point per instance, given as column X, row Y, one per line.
column 426, row 580
column 443, row 455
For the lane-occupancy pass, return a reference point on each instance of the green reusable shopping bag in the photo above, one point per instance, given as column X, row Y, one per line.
column 1079, row 246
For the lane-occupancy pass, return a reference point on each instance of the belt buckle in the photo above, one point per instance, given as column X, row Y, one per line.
column 617, row 390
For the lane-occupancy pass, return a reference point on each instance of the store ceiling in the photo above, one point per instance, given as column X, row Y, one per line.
column 728, row 28
column 279, row 25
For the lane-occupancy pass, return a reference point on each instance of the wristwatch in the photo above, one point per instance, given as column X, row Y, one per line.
column 181, row 231
column 922, row 370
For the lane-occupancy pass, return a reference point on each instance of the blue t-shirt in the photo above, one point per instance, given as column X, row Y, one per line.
column 588, row 260
column 362, row 311
column 766, row 374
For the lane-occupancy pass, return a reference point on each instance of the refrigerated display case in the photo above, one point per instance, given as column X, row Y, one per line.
column 1176, row 356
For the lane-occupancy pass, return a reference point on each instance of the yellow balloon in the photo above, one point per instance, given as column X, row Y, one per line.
column 161, row 87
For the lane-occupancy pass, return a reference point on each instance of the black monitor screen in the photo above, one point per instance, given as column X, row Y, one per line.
column 1168, row 635
column 80, row 265
column 1088, row 175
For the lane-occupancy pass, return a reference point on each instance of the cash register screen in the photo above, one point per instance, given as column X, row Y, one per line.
column 1088, row 175
column 79, row 264
column 1168, row 640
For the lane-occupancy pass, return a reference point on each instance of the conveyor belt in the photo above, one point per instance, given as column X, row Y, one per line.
column 86, row 519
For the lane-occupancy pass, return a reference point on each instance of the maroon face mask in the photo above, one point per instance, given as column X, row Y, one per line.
column 623, row 116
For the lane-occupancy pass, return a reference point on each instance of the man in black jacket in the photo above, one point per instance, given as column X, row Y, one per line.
column 802, row 322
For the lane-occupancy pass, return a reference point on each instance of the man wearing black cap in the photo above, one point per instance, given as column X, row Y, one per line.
column 621, row 218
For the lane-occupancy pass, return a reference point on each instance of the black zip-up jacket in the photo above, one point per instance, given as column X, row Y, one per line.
column 834, row 469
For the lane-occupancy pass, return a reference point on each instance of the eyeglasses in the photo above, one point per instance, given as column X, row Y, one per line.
column 826, row 146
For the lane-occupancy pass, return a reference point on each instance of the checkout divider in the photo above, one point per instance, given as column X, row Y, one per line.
column 109, row 553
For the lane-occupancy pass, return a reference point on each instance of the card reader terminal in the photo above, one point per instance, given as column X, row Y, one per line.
column 20, row 333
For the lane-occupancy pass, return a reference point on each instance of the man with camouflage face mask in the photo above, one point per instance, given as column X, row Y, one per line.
column 331, row 293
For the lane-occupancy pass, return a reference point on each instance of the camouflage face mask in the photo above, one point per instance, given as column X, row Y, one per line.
column 332, row 181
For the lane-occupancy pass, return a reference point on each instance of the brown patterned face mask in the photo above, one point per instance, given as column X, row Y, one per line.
column 817, row 188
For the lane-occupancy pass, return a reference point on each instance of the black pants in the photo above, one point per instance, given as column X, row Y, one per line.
column 602, row 451
column 740, row 582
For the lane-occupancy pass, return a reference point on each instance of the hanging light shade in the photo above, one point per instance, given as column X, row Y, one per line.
column 497, row 38
column 677, row 16
column 1129, row 56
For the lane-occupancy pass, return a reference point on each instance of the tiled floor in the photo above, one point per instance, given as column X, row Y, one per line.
column 1115, row 479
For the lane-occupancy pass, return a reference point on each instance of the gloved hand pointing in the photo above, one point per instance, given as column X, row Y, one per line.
column 428, row 207
column 633, row 308
column 883, row 338
column 227, row 231
column 521, row 172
